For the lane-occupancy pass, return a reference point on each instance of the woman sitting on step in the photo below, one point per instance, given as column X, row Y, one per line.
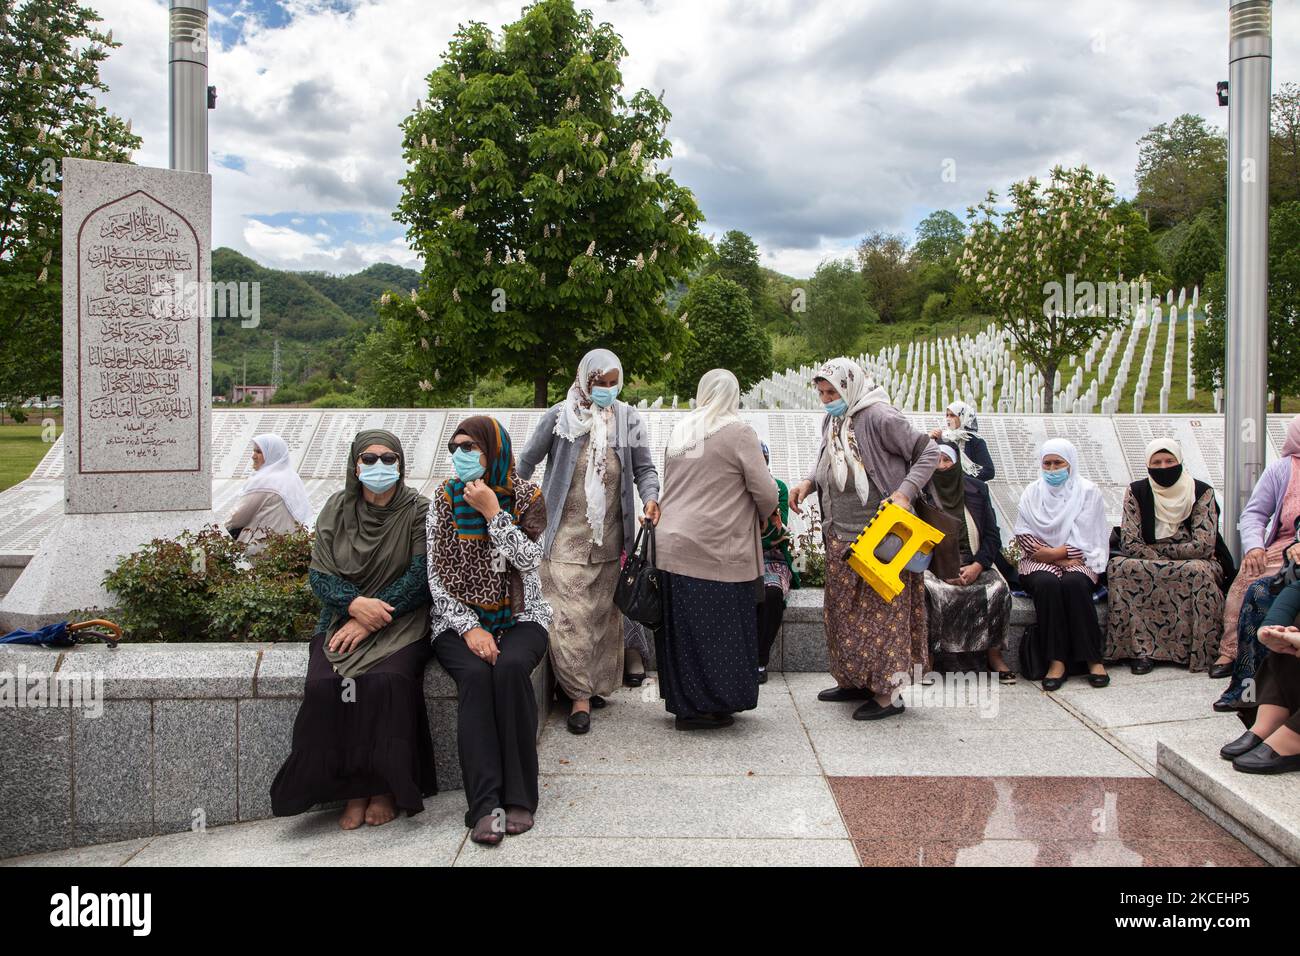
column 1166, row 595
column 362, row 733
column 1062, row 530
column 273, row 500
column 1272, row 744
column 490, row 622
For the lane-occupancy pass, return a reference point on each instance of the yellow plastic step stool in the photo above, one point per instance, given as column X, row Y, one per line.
column 917, row 536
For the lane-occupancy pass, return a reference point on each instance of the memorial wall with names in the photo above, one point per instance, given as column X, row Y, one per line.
column 1111, row 450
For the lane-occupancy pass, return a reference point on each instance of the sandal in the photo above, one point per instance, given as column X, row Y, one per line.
column 1006, row 677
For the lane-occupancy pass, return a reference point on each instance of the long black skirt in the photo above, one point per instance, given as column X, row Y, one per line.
column 363, row 740
column 707, row 648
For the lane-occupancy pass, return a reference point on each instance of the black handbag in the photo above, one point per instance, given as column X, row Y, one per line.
column 1032, row 665
column 637, row 593
column 945, row 557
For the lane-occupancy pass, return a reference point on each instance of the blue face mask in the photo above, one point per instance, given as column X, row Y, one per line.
column 836, row 408
column 379, row 477
column 1058, row 477
column 467, row 465
column 604, row 396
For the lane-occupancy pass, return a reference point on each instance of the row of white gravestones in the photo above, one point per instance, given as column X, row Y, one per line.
column 137, row 378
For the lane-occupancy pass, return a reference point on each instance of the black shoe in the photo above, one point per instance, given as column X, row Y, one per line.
column 579, row 723
column 1220, row 671
column 1055, row 683
column 633, row 680
column 1264, row 759
column 762, row 675
column 597, row 702
column 873, row 711
column 704, row 722
column 1006, row 677
column 1242, row 745
column 1099, row 680
column 1141, row 665
column 834, row 694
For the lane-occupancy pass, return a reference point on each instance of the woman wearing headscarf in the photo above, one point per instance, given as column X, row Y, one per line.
column 1165, row 593
column 1265, row 526
column 962, row 433
column 490, row 622
column 273, row 500
column 779, row 574
column 968, row 614
column 595, row 449
column 1272, row 743
column 869, row 453
column 717, row 497
column 1062, row 531
column 362, row 732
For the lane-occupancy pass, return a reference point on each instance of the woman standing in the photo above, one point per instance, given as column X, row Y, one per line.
column 362, row 733
column 1061, row 528
column 489, row 622
column 869, row 452
column 779, row 575
column 962, row 433
column 969, row 614
column 717, row 496
column 595, row 449
column 273, row 500
column 1166, row 598
column 1265, row 526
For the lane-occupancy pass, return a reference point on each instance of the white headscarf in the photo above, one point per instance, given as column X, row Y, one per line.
column 717, row 405
column 858, row 392
column 580, row 416
column 1173, row 504
column 277, row 475
column 967, row 425
column 1072, row 513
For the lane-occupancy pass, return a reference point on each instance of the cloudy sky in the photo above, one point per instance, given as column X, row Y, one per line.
column 806, row 123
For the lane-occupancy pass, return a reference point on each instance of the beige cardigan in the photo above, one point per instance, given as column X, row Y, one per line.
column 258, row 513
column 714, row 499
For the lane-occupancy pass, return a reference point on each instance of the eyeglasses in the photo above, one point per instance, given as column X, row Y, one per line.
column 454, row 446
column 388, row 458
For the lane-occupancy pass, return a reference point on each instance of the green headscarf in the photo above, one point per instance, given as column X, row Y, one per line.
column 371, row 546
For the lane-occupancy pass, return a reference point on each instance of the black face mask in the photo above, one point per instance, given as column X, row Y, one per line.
column 1166, row 477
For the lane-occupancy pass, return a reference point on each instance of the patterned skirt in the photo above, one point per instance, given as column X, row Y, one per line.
column 872, row 642
column 707, row 648
column 1164, row 610
column 586, row 636
column 1251, row 653
column 966, row 620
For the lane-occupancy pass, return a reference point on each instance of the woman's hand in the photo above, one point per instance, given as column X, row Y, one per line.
column 970, row 572
column 901, row 499
column 1050, row 555
column 371, row 612
column 798, row 493
column 1254, row 563
column 482, row 644
column 1293, row 552
column 348, row 636
column 936, row 433
column 1283, row 640
column 482, row 499
column 651, row 512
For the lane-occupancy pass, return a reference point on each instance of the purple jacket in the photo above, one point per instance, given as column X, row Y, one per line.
column 1258, row 524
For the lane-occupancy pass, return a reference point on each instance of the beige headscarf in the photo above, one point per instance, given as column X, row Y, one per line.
column 1173, row 504
column 717, row 405
column 858, row 392
column 579, row 416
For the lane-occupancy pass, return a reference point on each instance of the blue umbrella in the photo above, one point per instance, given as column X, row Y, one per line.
column 63, row 635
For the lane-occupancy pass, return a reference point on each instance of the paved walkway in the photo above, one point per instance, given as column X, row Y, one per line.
column 1045, row 779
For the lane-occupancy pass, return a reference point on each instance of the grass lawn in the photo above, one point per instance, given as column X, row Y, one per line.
column 21, row 449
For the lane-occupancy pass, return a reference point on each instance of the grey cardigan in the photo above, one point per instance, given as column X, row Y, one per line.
column 630, row 441
column 886, row 440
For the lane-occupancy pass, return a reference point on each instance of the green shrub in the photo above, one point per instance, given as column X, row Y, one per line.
column 201, row 587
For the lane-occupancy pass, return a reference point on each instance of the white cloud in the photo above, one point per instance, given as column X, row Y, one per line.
column 804, row 123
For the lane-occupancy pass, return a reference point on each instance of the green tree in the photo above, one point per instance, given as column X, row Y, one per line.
column 1020, row 264
column 1283, row 312
column 388, row 369
column 838, row 311
column 939, row 237
column 50, row 51
column 1284, row 145
column 1199, row 256
column 1181, row 169
column 723, row 334
column 888, row 271
column 737, row 260
column 1139, row 257
column 533, row 195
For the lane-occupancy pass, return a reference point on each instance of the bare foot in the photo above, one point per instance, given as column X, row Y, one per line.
column 1056, row 670
column 354, row 814
column 381, row 810
column 996, row 661
column 1224, row 660
column 581, row 706
column 1097, row 668
column 518, row 820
